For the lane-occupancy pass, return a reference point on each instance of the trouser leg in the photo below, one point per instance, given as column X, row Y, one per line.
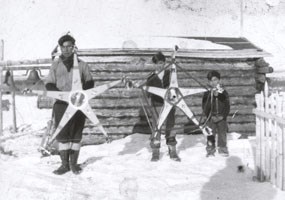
column 222, row 133
column 169, row 124
column 170, row 135
column 211, row 139
column 222, row 138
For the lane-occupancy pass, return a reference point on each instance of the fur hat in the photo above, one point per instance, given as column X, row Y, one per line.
column 65, row 38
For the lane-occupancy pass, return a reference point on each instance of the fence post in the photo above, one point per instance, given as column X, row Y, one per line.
column 263, row 140
column 279, row 173
column 258, row 162
column 267, row 134
column 257, row 150
column 273, row 140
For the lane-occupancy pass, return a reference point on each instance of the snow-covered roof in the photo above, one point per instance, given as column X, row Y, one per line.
column 192, row 47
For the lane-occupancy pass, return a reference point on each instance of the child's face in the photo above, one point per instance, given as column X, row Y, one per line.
column 160, row 65
column 214, row 82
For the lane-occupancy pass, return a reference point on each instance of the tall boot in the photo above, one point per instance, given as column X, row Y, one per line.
column 75, row 168
column 210, row 151
column 155, row 155
column 211, row 146
column 172, row 153
column 64, row 156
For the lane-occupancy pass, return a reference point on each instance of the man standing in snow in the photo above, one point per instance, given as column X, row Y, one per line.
column 162, row 81
column 216, row 106
column 60, row 79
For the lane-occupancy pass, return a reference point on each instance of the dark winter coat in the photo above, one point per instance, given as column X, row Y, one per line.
column 218, row 106
column 155, row 81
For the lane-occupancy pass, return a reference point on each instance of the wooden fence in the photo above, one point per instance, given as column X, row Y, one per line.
column 270, row 137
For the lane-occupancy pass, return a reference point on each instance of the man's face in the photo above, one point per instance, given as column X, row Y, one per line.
column 67, row 48
column 214, row 82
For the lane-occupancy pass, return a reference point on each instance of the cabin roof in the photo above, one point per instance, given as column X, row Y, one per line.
column 238, row 48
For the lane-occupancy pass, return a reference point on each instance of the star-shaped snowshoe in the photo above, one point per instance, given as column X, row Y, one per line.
column 174, row 96
column 77, row 99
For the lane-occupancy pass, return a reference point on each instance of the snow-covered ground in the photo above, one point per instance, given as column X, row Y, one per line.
column 122, row 169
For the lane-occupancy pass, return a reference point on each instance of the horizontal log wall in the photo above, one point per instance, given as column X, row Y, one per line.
column 119, row 109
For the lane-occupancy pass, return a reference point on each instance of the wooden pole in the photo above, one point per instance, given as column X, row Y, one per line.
column 1, row 71
column 13, row 102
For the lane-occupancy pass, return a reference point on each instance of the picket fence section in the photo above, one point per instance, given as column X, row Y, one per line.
column 270, row 137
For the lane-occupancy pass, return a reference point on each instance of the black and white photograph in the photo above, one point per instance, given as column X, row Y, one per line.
column 142, row 99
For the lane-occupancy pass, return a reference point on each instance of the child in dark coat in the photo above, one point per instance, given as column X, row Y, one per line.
column 162, row 81
column 216, row 106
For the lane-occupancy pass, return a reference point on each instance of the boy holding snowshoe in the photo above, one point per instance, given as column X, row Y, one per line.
column 162, row 81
